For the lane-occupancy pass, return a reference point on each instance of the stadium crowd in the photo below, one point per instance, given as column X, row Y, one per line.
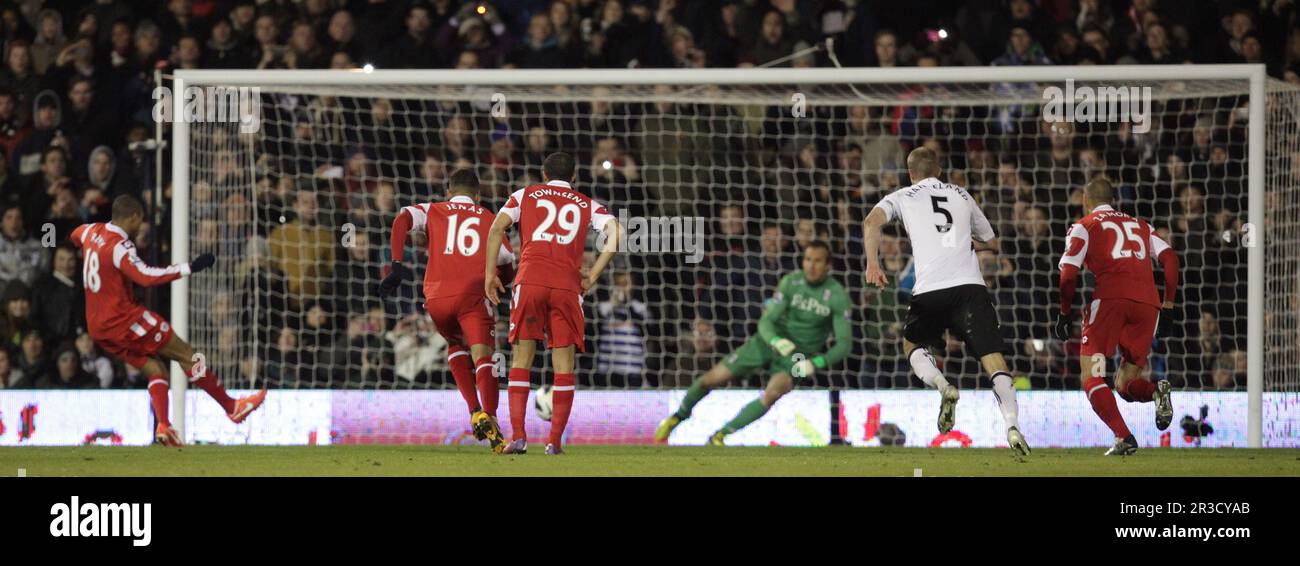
column 305, row 223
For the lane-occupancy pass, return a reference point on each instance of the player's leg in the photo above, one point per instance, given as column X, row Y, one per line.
column 201, row 375
column 520, row 382
column 925, row 324
column 976, row 320
column 777, row 386
column 527, row 312
column 1004, row 391
column 1135, row 347
column 562, row 393
column 1101, row 323
column 160, row 398
column 751, row 355
column 443, row 312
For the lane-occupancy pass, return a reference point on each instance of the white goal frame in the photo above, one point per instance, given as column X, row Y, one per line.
column 1255, row 74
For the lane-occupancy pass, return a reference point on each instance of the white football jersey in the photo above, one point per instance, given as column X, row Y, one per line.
column 940, row 219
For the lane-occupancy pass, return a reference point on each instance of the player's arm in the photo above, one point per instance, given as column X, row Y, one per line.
column 406, row 219
column 767, row 323
column 605, row 222
column 1168, row 259
column 1076, row 248
column 492, row 286
column 78, row 234
column 145, row 275
column 871, row 232
column 981, row 230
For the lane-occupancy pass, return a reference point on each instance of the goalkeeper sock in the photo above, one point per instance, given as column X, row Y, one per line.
column 463, row 373
column 1004, row 390
column 517, row 388
column 926, row 369
column 562, row 399
column 208, row 382
column 750, row 413
column 1103, row 403
column 1138, row 391
column 693, row 396
column 159, row 393
column 486, row 379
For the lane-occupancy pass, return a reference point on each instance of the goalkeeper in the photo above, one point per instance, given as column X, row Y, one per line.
column 791, row 343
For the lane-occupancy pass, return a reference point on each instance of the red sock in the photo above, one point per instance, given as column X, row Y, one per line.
column 463, row 373
column 1103, row 403
column 159, row 393
column 562, row 398
column 519, row 384
column 208, row 382
column 1139, row 391
column 486, row 379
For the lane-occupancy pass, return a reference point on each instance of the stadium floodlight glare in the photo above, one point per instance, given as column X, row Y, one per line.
column 720, row 103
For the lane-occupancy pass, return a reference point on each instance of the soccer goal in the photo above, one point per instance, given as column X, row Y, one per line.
column 297, row 212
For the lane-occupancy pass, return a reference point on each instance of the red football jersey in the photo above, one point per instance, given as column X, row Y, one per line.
column 553, row 222
column 1119, row 249
column 457, row 231
column 110, row 267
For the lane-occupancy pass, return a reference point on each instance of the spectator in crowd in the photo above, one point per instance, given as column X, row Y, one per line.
column 622, row 319
column 67, row 372
column 34, row 360
column 22, row 258
column 94, row 362
column 58, row 302
column 697, row 352
column 303, row 250
column 11, row 377
column 19, row 75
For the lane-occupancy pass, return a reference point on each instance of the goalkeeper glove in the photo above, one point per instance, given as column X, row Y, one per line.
column 782, row 346
column 202, row 262
column 1061, row 328
column 807, row 367
column 395, row 277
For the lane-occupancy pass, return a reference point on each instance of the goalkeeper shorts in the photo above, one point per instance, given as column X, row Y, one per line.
column 754, row 355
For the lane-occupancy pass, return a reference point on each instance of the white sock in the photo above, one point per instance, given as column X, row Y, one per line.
column 925, row 368
column 1005, row 392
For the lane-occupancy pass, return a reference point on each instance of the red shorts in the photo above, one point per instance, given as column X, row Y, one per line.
column 1130, row 325
column 464, row 320
column 543, row 313
column 136, row 342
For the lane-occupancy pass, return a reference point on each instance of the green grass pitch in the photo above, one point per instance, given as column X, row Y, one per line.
column 635, row 461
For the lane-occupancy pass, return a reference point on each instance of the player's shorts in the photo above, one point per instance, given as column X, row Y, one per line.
column 965, row 310
column 754, row 355
column 543, row 313
column 463, row 319
column 136, row 342
column 1128, row 325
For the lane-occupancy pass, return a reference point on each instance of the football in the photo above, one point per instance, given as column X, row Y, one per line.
column 542, row 402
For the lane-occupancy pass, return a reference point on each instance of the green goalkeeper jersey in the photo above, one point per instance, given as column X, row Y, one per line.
column 807, row 314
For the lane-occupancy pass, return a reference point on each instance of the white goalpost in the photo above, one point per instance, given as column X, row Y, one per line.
column 727, row 135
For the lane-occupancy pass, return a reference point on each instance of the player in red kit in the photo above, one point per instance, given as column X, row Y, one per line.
column 546, row 304
column 130, row 332
column 453, row 291
column 1124, row 310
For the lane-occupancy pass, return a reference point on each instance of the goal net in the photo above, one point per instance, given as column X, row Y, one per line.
column 298, row 212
